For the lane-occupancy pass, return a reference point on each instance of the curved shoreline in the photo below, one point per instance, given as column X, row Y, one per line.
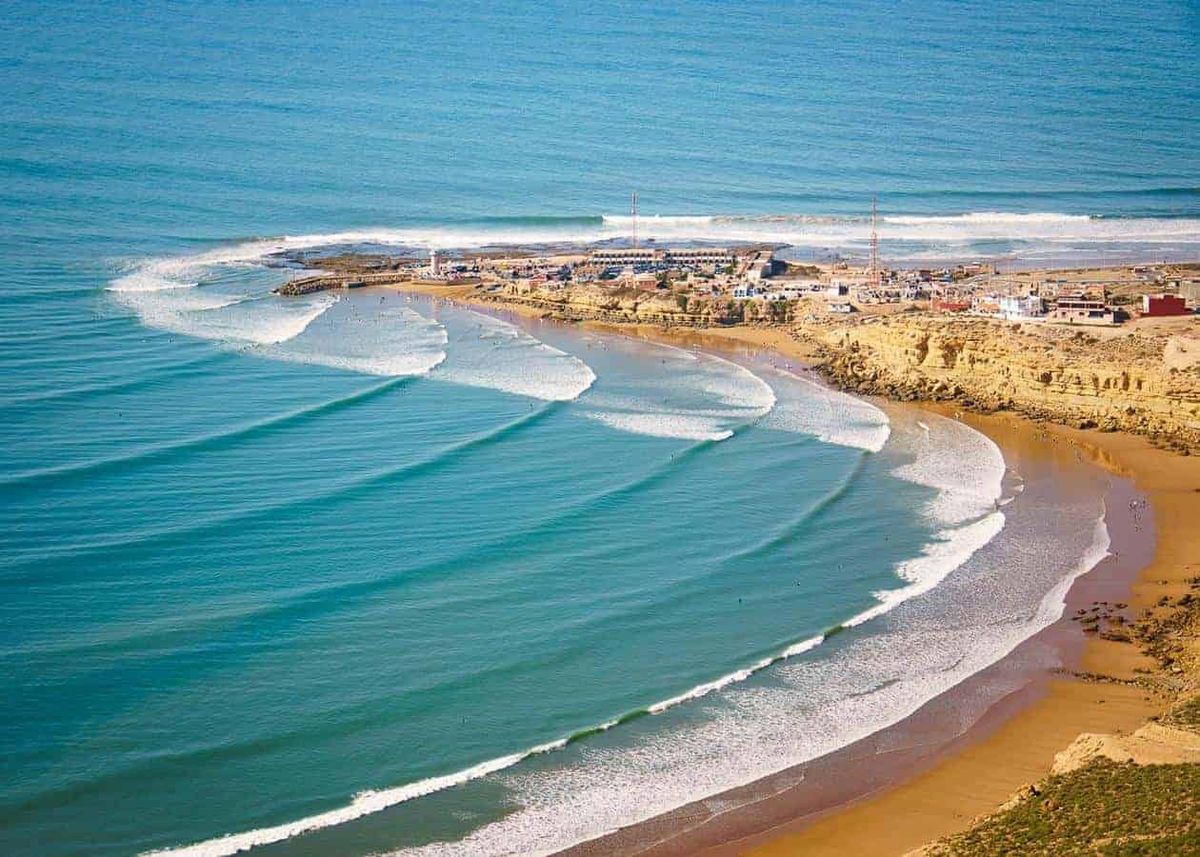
column 941, row 789
column 1117, row 688
column 375, row 801
column 762, row 820
column 730, row 829
column 779, row 814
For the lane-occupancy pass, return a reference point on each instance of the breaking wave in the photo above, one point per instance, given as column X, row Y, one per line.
column 932, row 231
column 702, row 397
column 372, row 801
column 488, row 352
column 830, row 415
column 966, row 470
column 961, row 491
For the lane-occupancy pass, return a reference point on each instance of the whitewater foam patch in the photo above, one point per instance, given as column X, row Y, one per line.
column 934, row 232
column 488, row 352
column 702, row 690
column 691, row 396
column 365, row 803
column 682, row 426
column 949, row 550
column 235, row 319
column 226, row 295
column 965, row 467
column 366, row 337
column 806, row 407
column 269, row 322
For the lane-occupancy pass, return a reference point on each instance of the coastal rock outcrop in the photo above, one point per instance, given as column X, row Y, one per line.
column 1117, row 382
column 1118, row 379
column 1152, row 744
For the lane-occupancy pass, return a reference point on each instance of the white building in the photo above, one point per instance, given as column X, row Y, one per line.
column 1021, row 307
column 688, row 257
column 761, row 266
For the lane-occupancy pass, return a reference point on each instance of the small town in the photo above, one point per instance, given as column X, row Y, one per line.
column 778, row 288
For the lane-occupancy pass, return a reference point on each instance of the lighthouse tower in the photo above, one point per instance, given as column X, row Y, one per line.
column 435, row 264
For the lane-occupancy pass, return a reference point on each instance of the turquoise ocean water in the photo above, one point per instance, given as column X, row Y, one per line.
column 378, row 573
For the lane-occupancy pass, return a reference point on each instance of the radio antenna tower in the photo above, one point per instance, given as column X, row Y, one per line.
column 876, row 274
column 633, row 215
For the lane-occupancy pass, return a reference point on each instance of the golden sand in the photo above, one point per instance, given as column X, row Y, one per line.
column 979, row 778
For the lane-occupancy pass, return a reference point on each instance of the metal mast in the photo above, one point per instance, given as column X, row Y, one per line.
column 876, row 274
column 633, row 215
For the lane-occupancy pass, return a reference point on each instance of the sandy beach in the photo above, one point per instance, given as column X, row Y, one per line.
column 1000, row 759
column 871, row 801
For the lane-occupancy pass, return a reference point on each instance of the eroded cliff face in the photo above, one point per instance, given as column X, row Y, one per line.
column 1118, row 381
column 1129, row 379
column 636, row 306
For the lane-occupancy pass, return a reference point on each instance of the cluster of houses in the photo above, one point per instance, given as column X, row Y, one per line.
column 755, row 274
column 1082, row 306
column 705, row 268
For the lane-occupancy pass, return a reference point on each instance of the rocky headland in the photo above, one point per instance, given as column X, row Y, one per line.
column 1140, row 378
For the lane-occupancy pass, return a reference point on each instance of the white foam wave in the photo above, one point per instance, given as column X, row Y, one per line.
column 695, row 396
column 676, row 425
column 934, row 231
column 967, row 469
column 171, row 294
column 365, row 803
column 372, row 801
column 282, row 322
column 737, row 387
column 990, row 218
column 237, row 319
column 964, row 466
column 737, row 675
column 362, row 337
column 150, row 279
column 830, row 415
column 949, row 550
column 489, row 352
column 1051, row 607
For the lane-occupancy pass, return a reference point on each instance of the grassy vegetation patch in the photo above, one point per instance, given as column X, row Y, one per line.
column 1105, row 808
column 1186, row 714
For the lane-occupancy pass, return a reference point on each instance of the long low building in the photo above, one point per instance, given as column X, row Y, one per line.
column 684, row 256
column 1082, row 307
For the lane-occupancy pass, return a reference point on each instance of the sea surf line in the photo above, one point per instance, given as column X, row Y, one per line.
column 369, row 802
column 374, row 801
column 933, row 231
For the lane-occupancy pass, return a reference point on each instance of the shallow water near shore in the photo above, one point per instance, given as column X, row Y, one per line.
column 548, row 583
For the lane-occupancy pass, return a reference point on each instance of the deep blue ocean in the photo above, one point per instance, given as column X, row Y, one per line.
column 383, row 573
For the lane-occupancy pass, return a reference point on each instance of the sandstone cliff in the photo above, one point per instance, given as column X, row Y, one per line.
column 1111, row 380
column 1140, row 379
